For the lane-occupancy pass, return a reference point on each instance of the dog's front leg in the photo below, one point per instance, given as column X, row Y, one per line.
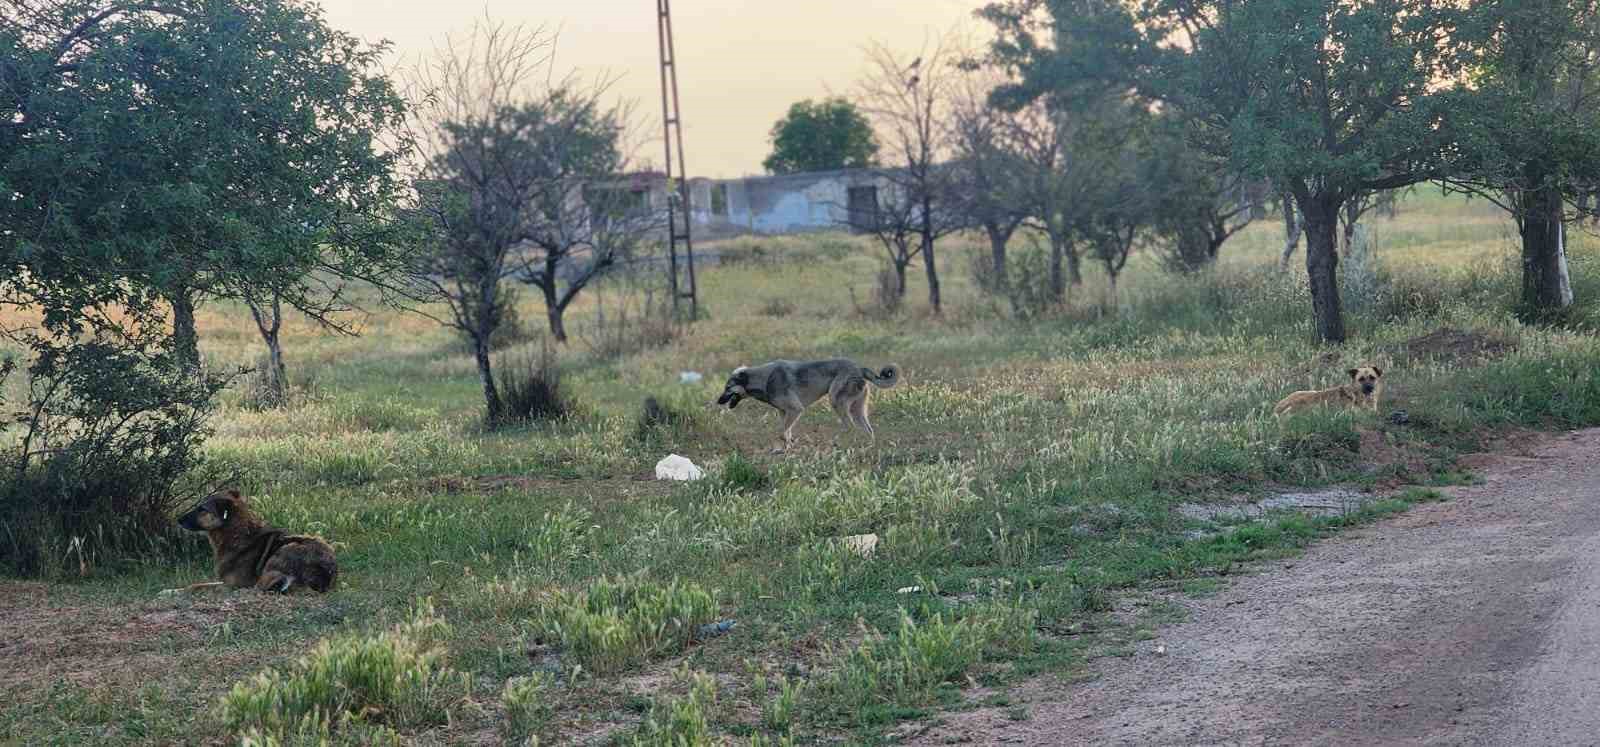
column 790, row 417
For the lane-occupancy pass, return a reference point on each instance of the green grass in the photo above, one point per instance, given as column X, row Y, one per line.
column 1024, row 478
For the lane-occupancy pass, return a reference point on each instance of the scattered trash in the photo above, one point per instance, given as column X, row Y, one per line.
column 862, row 544
column 1161, row 649
column 689, row 377
column 1399, row 417
column 908, row 590
column 712, row 630
column 674, row 467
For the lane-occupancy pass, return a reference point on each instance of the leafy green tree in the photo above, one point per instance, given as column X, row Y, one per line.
column 821, row 136
column 152, row 153
column 196, row 148
column 1533, row 144
column 1328, row 99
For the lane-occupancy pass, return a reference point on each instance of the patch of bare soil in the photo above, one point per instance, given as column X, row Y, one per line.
column 1472, row 621
column 1451, row 344
column 46, row 636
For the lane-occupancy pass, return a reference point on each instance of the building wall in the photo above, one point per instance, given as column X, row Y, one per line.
column 791, row 203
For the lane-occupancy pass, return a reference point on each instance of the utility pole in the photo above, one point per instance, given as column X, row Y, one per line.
column 672, row 131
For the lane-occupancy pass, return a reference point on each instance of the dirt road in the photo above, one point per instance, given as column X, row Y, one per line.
column 1470, row 622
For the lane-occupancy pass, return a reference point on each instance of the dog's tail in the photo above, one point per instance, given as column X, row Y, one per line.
column 884, row 377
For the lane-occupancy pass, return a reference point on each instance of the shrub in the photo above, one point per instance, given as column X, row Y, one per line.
column 106, row 439
column 777, row 307
column 907, row 668
column 527, row 705
column 616, row 623
column 1027, row 282
column 530, row 389
column 397, row 677
column 681, row 722
column 637, row 321
column 739, row 473
column 663, row 416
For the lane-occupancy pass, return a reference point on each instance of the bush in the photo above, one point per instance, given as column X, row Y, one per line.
column 907, row 668
column 530, row 389
column 739, row 473
column 105, row 442
column 527, row 706
column 681, row 722
column 662, row 416
column 397, row 678
column 614, row 624
column 635, row 322
column 1027, row 282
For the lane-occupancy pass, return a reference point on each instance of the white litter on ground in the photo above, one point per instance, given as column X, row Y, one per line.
column 674, row 467
column 689, row 377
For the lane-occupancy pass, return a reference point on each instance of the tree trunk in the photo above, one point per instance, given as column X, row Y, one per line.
column 1321, row 214
column 553, row 308
column 997, row 250
column 1074, row 264
column 927, row 255
column 900, row 278
column 277, row 376
column 1546, row 285
column 1111, row 291
column 491, row 394
column 1291, row 231
column 185, row 339
column 1058, row 278
column 269, row 322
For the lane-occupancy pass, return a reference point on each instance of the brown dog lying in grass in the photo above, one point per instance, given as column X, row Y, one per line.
column 1366, row 385
column 250, row 553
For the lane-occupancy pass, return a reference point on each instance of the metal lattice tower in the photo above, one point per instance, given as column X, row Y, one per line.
column 678, row 215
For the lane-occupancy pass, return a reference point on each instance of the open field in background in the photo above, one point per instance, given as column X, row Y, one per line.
column 1024, row 480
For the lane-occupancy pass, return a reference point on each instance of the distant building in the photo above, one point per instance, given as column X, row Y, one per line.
column 789, row 203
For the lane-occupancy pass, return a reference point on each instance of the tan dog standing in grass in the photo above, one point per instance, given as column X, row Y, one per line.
column 250, row 553
column 1366, row 385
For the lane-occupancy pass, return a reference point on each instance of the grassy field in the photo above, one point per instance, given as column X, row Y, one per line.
column 537, row 584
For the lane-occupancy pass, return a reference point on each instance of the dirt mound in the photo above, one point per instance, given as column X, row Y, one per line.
column 1449, row 344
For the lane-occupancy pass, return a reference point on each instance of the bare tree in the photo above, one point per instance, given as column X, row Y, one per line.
column 478, row 175
column 1198, row 203
column 987, row 167
column 909, row 104
column 586, row 217
column 897, row 225
column 1060, row 165
column 1384, row 201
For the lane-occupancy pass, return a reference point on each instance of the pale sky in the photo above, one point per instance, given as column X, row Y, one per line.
column 741, row 63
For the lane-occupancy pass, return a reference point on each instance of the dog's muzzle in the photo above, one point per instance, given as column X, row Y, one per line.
column 730, row 398
column 1366, row 388
column 191, row 520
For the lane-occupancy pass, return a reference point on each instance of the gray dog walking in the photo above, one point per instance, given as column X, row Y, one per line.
column 791, row 386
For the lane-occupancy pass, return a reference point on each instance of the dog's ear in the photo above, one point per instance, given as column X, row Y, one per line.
column 1377, row 370
column 1352, row 373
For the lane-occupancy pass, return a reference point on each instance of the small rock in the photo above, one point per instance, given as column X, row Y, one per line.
column 1399, row 417
column 711, row 630
column 674, row 467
